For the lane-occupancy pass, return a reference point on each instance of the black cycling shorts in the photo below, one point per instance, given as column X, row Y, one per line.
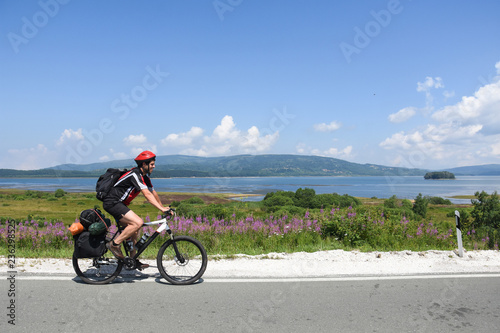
column 117, row 210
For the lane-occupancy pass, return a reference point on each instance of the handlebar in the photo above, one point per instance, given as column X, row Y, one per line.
column 170, row 213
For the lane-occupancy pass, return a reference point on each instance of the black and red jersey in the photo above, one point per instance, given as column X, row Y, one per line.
column 129, row 186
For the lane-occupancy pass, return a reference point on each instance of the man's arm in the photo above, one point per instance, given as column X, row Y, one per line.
column 154, row 199
column 157, row 197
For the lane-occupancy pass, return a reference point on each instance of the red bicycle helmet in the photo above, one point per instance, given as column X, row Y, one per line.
column 145, row 156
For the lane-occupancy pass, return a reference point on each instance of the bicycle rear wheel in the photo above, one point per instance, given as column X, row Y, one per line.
column 184, row 265
column 100, row 270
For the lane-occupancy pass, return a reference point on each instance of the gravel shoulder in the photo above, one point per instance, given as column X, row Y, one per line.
column 336, row 263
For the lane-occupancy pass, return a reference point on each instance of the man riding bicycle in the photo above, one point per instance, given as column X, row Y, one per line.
column 123, row 192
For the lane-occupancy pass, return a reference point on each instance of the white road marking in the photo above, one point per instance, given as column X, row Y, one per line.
column 280, row 280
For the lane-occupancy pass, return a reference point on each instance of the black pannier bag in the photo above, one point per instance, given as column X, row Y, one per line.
column 91, row 216
column 89, row 246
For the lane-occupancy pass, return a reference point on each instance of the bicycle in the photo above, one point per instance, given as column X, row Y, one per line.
column 181, row 260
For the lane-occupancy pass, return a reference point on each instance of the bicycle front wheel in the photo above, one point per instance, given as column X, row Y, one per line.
column 182, row 260
column 100, row 270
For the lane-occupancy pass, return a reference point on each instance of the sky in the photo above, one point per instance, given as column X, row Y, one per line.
column 396, row 82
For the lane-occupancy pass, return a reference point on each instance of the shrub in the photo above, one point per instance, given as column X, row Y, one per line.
column 304, row 197
column 278, row 201
column 392, row 202
column 289, row 211
column 438, row 201
column 194, row 201
column 406, row 204
column 59, row 193
column 188, row 210
column 307, row 198
column 344, row 201
column 289, row 194
column 216, row 210
column 486, row 211
column 420, row 205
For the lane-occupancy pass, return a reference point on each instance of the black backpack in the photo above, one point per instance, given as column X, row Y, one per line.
column 106, row 182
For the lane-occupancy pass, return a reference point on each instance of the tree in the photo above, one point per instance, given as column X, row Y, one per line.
column 278, row 200
column 486, row 211
column 59, row 193
column 392, row 202
column 439, row 175
column 304, row 197
column 420, row 205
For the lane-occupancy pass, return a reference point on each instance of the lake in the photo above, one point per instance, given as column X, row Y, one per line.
column 380, row 187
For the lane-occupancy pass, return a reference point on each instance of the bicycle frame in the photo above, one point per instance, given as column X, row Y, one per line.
column 163, row 226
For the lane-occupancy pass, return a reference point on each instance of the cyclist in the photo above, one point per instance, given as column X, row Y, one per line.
column 123, row 192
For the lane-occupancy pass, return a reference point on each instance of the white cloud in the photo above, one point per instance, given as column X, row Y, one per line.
column 495, row 149
column 137, row 150
column 138, row 144
column 225, row 131
column 429, row 84
column 432, row 137
column 463, row 133
column 70, row 135
column 115, row 155
column 480, row 109
column 225, row 139
column 426, row 87
column 30, row 158
column 135, row 140
column 344, row 153
column 339, row 153
column 195, row 152
column 183, row 139
column 254, row 142
column 402, row 115
column 323, row 127
column 448, row 94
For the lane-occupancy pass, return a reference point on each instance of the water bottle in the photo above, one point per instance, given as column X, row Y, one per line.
column 130, row 244
column 143, row 240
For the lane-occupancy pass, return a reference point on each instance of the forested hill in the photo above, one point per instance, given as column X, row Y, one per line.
column 229, row 166
column 477, row 170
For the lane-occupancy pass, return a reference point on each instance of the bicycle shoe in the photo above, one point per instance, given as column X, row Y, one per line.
column 115, row 249
column 140, row 266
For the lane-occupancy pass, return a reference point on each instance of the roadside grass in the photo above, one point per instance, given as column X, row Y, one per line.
column 22, row 205
column 42, row 219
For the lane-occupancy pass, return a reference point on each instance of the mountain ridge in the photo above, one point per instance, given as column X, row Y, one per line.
column 245, row 166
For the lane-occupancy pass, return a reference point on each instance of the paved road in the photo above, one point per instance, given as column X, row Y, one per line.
column 464, row 304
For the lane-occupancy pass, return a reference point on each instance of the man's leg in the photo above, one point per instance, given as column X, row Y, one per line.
column 132, row 219
column 132, row 224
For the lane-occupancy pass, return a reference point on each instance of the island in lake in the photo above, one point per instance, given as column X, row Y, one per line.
column 439, row 175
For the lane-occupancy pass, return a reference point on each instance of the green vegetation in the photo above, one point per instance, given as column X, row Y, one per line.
column 283, row 221
column 439, row 175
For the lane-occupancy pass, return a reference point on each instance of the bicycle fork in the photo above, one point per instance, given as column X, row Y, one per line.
column 178, row 255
